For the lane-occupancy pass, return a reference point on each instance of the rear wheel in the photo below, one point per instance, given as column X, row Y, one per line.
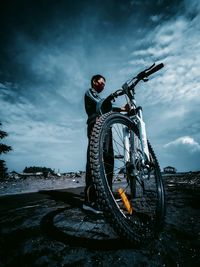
column 130, row 193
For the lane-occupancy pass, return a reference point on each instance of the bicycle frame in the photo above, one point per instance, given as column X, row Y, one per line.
column 138, row 119
column 136, row 116
column 143, row 136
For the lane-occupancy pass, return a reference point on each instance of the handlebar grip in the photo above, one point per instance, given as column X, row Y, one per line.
column 120, row 93
column 156, row 68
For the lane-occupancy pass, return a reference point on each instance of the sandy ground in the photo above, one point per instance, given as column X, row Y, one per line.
column 36, row 229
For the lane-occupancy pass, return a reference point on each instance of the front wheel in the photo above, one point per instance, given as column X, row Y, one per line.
column 130, row 193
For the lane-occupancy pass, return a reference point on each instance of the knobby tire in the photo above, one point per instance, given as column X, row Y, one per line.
column 146, row 222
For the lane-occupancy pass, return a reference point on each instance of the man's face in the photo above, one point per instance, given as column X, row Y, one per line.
column 99, row 85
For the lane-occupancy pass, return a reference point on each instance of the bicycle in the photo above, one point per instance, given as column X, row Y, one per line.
column 125, row 169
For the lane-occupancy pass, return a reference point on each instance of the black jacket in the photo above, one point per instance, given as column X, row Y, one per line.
column 95, row 105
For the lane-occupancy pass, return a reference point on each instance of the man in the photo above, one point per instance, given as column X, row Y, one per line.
column 95, row 106
column 93, row 103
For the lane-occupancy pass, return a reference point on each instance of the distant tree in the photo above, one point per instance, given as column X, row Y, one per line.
column 34, row 169
column 3, row 170
column 3, row 149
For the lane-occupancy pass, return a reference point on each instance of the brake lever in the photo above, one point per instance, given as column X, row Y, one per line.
column 150, row 67
column 142, row 75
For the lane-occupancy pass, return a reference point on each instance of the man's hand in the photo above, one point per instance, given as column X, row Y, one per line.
column 125, row 108
column 110, row 97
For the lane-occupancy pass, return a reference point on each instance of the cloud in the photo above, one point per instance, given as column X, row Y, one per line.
column 186, row 141
column 192, row 7
column 43, row 143
column 155, row 18
column 45, row 132
column 183, row 153
column 175, row 43
column 171, row 98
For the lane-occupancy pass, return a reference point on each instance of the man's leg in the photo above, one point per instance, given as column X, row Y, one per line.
column 90, row 203
column 90, row 193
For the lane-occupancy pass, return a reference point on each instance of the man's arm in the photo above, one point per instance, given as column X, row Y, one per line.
column 93, row 103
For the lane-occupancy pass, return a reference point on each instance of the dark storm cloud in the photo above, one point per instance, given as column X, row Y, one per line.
column 45, row 42
column 72, row 22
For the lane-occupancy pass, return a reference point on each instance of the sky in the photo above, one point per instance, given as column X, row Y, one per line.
column 49, row 50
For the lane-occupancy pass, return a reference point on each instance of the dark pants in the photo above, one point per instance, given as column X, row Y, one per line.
column 90, row 193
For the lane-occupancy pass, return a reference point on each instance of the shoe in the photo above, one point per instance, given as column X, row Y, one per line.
column 92, row 207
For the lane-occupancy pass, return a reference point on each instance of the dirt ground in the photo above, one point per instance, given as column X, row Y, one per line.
column 36, row 229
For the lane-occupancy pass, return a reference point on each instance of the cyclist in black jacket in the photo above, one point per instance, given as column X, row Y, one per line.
column 95, row 106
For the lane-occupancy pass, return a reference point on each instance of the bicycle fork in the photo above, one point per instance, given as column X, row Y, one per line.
column 130, row 142
column 143, row 137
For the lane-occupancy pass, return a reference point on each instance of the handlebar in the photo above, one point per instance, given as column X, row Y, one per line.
column 126, row 88
column 146, row 73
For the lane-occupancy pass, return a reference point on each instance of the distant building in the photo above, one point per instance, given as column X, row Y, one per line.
column 169, row 169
